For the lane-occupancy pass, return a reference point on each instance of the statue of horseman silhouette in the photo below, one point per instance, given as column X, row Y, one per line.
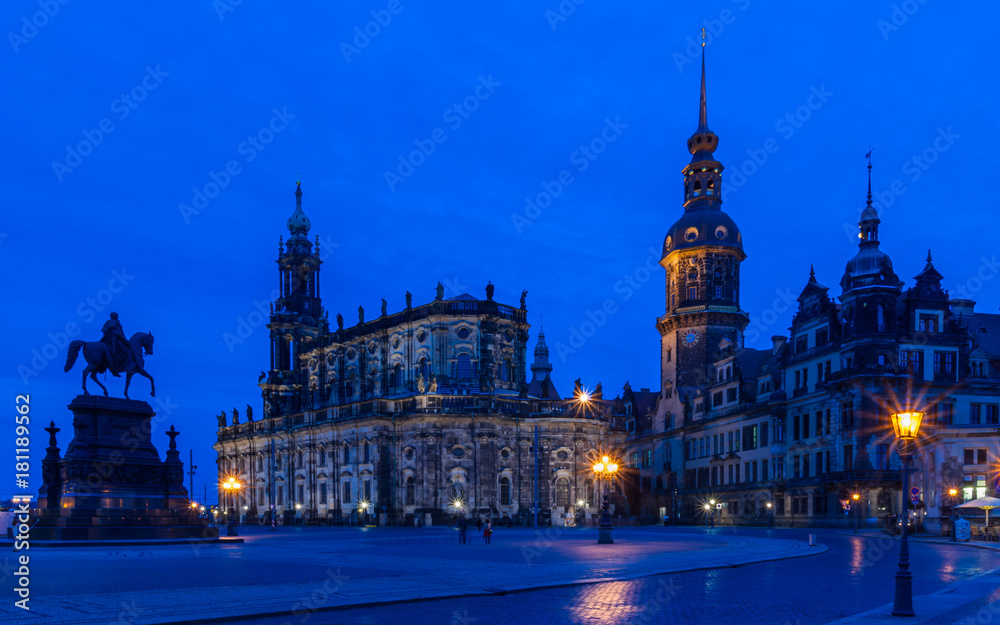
column 113, row 353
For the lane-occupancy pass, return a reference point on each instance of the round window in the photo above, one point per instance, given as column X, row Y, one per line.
column 508, row 336
column 350, row 354
column 395, row 343
column 562, row 454
column 371, row 348
column 463, row 333
column 721, row 233
column 408, row 453
column 670, row 242
column 505, row 453
column 691, row 234
column 458, row 452
column 421, row 336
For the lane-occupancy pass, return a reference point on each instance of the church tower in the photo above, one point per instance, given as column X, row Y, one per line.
column 702, row 253
column 297, row 316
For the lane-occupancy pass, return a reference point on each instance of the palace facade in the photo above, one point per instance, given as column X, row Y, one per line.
column 804, row 426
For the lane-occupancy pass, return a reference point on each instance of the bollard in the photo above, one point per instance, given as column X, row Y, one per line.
column 812, row 540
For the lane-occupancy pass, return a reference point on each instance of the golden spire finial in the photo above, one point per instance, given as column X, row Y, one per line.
column 702, row 37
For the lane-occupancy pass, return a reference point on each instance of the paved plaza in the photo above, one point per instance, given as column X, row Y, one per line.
column 385, row 575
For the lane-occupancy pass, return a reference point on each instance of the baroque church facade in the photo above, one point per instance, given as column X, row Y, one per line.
column 411, row 417
column 429, row 412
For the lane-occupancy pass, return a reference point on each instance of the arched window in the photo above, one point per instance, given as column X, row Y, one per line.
column 367, row 452
column 463, row 367
column 397, row 376
column 697, row 186
column 562, row 492
column 711, row 185
column 322, row 456
column 504, row 491
column 422, row 369
column 880, row 314
column 411, row 491
column 347, row 453
column 260, row 463
column 277, row 461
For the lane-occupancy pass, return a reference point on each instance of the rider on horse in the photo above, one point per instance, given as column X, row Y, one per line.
column 119, row 350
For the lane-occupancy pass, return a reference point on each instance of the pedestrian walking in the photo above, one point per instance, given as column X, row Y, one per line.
column 479, row 524
column 463, row 524
column 488, row 532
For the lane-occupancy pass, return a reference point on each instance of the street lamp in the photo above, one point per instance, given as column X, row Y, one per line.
column 906, row 426
column 604, row 470
column 231, row 486
column 952, row 496
column 856, row 498
column 770, row 515
column 581, row 507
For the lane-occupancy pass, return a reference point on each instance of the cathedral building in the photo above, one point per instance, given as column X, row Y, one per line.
column 793, row 432
column 410, row 417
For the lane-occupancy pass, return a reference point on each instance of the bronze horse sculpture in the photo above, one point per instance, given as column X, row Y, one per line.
column 96, row 355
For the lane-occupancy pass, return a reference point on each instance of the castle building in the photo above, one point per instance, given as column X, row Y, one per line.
column 408, row 417
column 805, row 425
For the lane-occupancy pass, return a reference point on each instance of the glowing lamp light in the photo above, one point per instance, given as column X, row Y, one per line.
column 584, row 397
column 855, row 496
column 605, row 460
column 906, row 425
column 708, row 507
column 711, row 501
column 952, row 491
column 769, row 505
column 298, row 506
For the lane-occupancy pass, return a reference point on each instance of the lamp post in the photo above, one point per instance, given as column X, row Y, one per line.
column 906, row 426
column 770, row 515
column 231, row 486
column 856, row 498
column 952, row 496
column 604, row 470
column 581, row 511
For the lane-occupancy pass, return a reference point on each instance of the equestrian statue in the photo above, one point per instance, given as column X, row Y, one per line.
column 113, row 353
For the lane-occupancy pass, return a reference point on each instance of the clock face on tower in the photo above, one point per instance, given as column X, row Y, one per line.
column 690, row 338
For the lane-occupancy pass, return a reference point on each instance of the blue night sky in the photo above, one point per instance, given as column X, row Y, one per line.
column 122, row 117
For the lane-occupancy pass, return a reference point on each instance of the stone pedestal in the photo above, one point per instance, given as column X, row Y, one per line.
column 111, row 483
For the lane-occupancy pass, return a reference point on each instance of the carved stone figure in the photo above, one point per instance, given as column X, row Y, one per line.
column 546, row 385
column 249, row 413
column 421, row 385
column 598, row 392
column 385, row 306
column 489, row 291
column 340, row 321
column 577, row 389
column 440, row 292
column 236, row 416
column 409, row 299
column 524, row 298
column 361, row 315
column 434, row 383
column 522, row 390
column 222, row 419
column 260, row 378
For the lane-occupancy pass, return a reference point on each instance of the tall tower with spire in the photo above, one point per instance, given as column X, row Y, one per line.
column 869, row 292
column 702, row 253
column 297, row 316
